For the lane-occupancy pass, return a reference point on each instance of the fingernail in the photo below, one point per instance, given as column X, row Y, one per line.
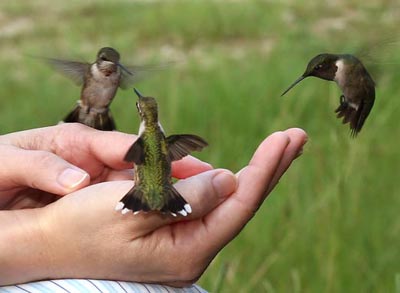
column 224, row 183
column 71, row 178
column 240, row 171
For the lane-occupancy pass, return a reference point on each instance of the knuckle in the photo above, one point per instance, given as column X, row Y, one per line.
column 44, row 159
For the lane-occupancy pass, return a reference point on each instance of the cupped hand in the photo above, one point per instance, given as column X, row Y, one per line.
column 83, row 236
column 40, row 165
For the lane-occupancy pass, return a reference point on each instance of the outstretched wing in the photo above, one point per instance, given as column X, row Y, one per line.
column 74, row 70
column 181, row 145
column 139, row 73
column 136, row 152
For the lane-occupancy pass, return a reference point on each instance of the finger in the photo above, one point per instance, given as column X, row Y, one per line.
column 40, row 170
column 203, row 192
column 223, row 223
column 189, row 166
column 78, row 144
column 298, row 138
column 91, row 149
column 116, row 175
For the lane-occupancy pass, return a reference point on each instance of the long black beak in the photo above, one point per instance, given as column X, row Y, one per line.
column 138, row 93
column 124, row 68
column 293, row 84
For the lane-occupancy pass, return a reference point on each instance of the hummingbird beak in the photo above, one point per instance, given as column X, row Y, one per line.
column 124, row 68
column 138, row 93
column 137, row 103
column 293, row 84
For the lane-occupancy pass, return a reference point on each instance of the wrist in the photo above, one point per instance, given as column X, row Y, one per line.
column 24, row 254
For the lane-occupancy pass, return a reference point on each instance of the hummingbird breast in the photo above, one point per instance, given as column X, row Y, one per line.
column 340, row 75
column 100, row 86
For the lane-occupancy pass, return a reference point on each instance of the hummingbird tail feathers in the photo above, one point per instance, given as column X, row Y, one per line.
column 350, row 115
column 73, row 116
column 134, row 201
column 175, row 203
column 104, row 121
column 100, row 121
column 356, row 117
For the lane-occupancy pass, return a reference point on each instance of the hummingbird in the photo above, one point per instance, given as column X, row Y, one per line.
column 152, row 154
column 356, row 84
column 100, row 81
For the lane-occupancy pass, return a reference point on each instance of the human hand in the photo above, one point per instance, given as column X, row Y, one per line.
column 40, row 165
column 81, row 236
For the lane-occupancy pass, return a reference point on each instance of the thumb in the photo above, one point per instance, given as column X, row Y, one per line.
column 41, row 170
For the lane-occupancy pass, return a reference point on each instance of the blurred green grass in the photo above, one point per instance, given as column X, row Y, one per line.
column 332, row 224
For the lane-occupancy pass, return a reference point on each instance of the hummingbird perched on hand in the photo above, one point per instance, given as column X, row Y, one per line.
column 152, row 154
column 358, row 87
column 100, row 81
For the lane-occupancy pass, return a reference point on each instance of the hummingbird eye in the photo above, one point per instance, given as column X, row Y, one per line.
column 318, row 67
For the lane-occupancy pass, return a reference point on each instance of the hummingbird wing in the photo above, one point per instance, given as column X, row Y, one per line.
column 139, row 73
column 74, row 70
column 181, row 145
column 136, row 152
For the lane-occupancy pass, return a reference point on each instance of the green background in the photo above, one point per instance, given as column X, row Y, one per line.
column 332, row 224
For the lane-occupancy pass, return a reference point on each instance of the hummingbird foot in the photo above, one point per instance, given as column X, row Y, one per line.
column 342, row 99
column 343, row 107
column 353, row 114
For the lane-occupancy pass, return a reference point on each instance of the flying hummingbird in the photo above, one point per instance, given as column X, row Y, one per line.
column 100, row 81
column 152, row 154
column 358, row 87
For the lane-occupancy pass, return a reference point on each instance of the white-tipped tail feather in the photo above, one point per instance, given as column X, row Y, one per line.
column 188, row 208
column 184, row 212
column 119, row 206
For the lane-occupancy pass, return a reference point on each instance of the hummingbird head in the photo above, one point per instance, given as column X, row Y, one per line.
column 110, row 55
column 147, row 108
column 321, row 66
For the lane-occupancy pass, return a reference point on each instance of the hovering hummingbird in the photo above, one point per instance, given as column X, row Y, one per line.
column 152, row 154
column 358, row 87
column 100, row 81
